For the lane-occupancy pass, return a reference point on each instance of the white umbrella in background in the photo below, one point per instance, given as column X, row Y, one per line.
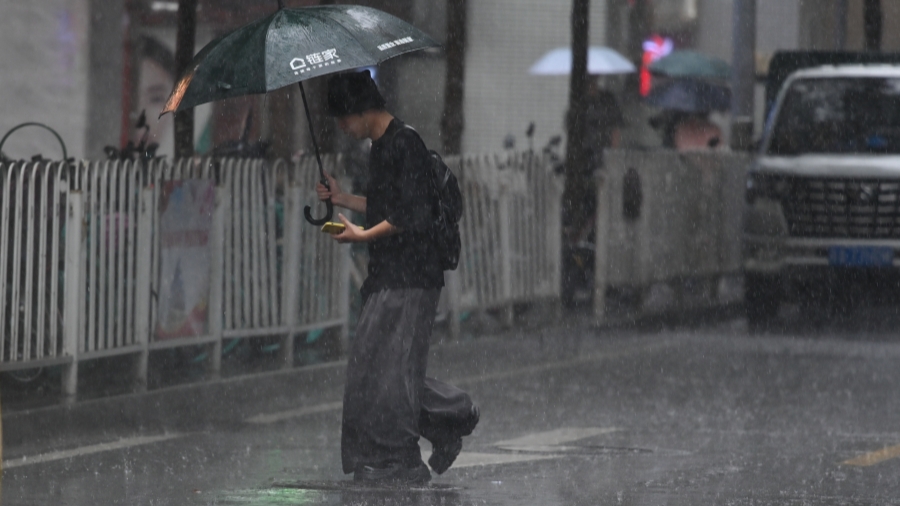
column 601, row 60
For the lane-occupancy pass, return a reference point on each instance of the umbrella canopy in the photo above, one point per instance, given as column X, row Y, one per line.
column 691, row 64
column 690, row 95
column 290, row 46
column 601, row 60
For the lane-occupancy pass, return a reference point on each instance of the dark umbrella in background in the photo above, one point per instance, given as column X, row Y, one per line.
column 690, row 95
column 288, row 47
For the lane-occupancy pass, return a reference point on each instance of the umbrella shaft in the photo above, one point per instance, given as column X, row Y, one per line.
column 312, row 134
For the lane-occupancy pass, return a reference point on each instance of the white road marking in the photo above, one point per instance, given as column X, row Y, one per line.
column 537, row 446
column 88, row 450
column 296, row 413
column 546, row 441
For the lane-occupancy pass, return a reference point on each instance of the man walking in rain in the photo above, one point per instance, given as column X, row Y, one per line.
column 388, row 401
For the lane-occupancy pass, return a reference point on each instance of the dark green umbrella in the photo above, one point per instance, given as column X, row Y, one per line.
column 290, row 46
column 691, row 64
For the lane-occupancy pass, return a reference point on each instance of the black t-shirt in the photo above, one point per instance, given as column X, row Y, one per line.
column 400, row 190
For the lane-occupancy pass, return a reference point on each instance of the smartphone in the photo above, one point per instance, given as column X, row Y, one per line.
column 332, row 227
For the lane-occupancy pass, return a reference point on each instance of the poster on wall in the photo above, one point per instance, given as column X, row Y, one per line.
column 185, row 223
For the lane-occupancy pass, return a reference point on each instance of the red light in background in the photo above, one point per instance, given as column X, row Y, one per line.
column 654, row 48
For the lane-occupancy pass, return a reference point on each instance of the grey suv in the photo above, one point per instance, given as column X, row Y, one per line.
column 823, row 196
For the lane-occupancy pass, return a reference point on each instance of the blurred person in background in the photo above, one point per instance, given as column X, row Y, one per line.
column 687, row 131
column 603, row 121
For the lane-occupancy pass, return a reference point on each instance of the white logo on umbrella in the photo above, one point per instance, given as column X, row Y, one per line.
column 395, row 43
column 314, row 61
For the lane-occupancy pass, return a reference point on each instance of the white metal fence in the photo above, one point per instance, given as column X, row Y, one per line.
column 32, row 220
column 80, row 254
column 510, row 232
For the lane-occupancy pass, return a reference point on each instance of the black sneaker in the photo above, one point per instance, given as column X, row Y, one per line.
column 394, row 474
column 443, row 455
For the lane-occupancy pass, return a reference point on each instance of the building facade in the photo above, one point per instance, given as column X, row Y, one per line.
column 87, row 68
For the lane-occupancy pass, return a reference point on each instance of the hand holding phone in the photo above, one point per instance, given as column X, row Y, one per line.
column 333, row 228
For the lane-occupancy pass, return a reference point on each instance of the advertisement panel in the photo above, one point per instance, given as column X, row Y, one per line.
column 185, row 223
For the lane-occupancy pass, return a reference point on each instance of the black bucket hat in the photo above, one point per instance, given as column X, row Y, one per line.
column 353, row 93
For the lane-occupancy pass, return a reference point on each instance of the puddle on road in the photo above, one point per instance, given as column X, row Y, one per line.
column 275, row 496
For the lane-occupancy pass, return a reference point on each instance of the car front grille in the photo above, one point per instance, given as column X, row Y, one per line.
column 843, row 208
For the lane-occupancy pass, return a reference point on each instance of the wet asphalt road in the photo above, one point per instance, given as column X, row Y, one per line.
column 571, row 415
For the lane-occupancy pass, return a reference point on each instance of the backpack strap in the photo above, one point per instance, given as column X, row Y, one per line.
column 429, row 153
column 405, row 126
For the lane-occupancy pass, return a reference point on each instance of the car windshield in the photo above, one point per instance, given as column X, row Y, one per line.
column 838, row 116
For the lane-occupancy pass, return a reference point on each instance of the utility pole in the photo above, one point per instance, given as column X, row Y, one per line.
column 743, row 77
column 873, row 24
column 106, row 61
column 576, row 170
column 184, row 53
column 452, row 120
column 840, row 25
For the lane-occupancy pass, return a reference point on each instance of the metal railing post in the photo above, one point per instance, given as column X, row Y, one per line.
column 506, row 256
column 552, row 206
column 217, row 254
column 291, row 258
column 601, row 259
column 75, row 244
column 143, row 285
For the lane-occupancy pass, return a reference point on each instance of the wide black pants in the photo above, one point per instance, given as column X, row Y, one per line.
column 388, row 401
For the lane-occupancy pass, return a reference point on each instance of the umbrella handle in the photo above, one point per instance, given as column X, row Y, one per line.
column 307, row 213
column 329, row 211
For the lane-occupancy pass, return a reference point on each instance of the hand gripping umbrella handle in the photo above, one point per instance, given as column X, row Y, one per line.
column 307, row 211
